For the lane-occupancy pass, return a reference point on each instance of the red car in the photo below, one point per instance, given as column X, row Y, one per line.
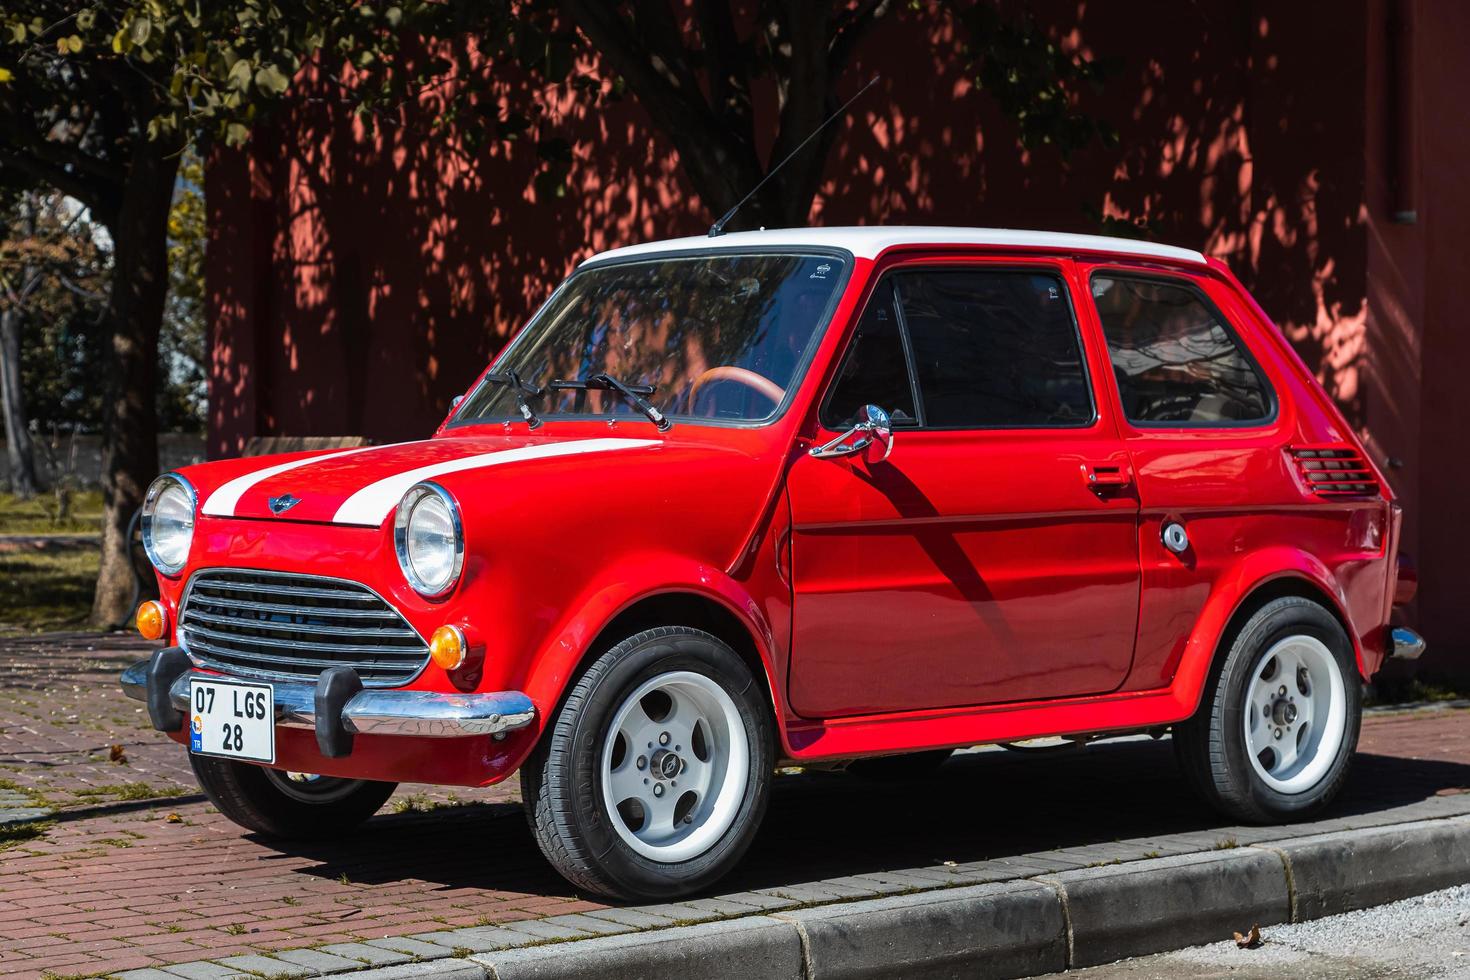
column 855, row 495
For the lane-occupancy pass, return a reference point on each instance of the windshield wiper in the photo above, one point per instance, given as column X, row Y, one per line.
column 633, row 394
column 520, row 389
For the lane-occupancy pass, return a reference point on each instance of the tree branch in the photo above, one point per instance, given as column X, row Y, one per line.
column 718, row 164
column 727, row 68
column 849, row 30
column 100, row 201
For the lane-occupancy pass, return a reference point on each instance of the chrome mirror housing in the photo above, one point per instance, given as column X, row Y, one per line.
column 873, row 425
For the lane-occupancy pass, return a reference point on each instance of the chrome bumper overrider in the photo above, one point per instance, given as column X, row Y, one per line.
column 1404, row 643
column 422, row 714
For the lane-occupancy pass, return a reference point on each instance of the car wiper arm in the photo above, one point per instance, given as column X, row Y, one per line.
column 520, row 389
column 633, row 394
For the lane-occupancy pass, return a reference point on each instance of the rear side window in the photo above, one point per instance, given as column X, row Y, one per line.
column 986, row 348
column 1176, row 361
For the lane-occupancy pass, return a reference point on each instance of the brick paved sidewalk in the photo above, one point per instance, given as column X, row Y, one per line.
column 134, row 869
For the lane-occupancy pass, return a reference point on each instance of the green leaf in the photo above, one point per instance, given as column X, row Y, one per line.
column 17, row 33
column 236, row 134
column 5, row 76
column 394, row 16
column 86, row 18
column 240, row 74
column 141, row 28
column 271, row 79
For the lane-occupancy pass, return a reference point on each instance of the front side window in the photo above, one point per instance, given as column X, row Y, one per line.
column 1175, row 360
column 875, row 371
column 717, row 337
column 988, row 348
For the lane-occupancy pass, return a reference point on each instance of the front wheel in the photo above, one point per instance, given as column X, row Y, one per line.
column 288, row 805
column 654, row 775
column 1278, row 724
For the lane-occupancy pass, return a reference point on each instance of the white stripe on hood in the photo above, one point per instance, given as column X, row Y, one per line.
column 374, row 502
column 223, row 501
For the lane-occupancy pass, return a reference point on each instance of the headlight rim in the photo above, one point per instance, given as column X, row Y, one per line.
column 150, row 501
column 406, row 504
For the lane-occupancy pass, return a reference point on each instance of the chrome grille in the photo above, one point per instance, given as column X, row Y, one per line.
column 282, row 626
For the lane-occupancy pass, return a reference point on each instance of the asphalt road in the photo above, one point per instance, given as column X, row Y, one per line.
column 1416, row 939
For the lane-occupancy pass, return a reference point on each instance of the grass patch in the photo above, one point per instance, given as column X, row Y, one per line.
column 126, row 792
column 39, row 515
column 15, row 834
column 36, row 797
column 1412, row 690
column 47, row 589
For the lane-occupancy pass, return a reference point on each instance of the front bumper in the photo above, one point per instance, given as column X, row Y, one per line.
column 418, row 714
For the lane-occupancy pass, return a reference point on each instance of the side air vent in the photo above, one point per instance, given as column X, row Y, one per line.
column 1335, row 471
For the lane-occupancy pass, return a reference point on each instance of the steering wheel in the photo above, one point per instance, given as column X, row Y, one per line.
column 727, row 372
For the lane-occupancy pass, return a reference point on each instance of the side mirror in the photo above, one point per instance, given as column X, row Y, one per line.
column 873, row 425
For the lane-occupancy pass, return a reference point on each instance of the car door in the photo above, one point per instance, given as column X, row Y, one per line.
column 992, row 556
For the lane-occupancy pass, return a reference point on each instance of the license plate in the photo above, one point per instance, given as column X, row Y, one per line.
column 234, row 720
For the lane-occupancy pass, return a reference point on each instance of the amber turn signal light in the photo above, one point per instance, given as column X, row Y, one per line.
column 151, row 620
column 447, row 647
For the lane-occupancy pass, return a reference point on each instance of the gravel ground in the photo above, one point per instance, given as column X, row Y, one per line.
column 1422, row 937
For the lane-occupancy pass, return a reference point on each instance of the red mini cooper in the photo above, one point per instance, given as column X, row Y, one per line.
column 824, row 495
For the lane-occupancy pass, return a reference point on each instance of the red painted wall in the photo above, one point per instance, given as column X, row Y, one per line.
column 359, row 282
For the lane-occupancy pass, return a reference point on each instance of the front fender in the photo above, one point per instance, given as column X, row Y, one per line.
column 556, row 664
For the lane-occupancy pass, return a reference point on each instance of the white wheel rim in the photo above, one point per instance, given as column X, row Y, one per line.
column 672, row 784
column 1295, row 714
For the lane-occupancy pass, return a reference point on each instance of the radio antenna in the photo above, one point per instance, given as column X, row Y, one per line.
column 718, row 228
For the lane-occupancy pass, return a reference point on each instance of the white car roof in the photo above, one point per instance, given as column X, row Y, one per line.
column 869, row 241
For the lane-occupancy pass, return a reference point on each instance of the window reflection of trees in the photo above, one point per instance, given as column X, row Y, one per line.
column 995, row 349
column 665, row 323
column 1174, row 359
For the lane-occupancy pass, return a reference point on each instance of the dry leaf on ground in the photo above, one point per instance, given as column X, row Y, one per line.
column 1252, row 940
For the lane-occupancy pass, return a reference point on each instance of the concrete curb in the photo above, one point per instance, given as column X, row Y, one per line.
column 1054, row 921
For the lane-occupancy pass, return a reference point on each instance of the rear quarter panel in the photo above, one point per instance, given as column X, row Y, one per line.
column 1250, row 519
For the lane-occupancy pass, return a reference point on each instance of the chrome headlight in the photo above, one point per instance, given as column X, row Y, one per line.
column 168, row 522
column 429, row 539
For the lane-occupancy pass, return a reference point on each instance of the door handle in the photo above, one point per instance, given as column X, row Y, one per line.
column 1106, row 477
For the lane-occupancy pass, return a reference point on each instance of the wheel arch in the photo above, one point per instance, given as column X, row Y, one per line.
column 705, row 599
column 1239, row 596
column 681, row 607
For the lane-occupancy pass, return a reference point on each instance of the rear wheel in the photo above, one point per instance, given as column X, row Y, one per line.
column 1278, row 725
column 287, row 805
column 653, row 777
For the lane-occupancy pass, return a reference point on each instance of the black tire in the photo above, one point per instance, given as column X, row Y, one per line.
column 901, row 768
column 561, row 782
column 257, row 799
column 1211, row 747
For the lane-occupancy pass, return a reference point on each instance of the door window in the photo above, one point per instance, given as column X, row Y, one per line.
column 875, row 371
column 988, row 348
column 1176, row 361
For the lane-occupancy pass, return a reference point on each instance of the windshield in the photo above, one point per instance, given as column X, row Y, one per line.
column 716, row 337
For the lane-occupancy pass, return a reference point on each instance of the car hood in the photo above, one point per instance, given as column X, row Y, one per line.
column 362, row 486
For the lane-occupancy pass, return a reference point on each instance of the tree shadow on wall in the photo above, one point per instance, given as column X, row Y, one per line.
column 359, row 280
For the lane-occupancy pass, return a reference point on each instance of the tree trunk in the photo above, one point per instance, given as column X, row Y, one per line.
column 134, row 313
column 19, row 452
